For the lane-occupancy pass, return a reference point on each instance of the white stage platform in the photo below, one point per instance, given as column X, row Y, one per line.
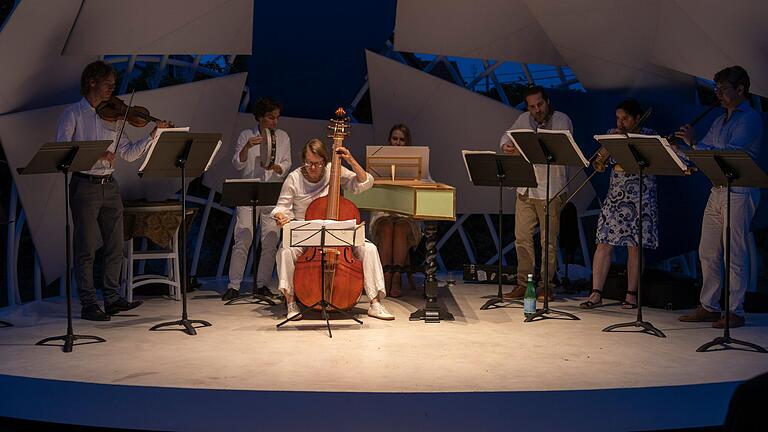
column 487, row 370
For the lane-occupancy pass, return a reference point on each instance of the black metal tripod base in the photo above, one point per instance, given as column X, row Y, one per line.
column 251, row 299
column 726, row 343
column 187, row 325
column 5, row 324
column 646, row 327
column 432, row 313
column 545, row 313
column 325, row 307
column 69, row 340
column 499, row 302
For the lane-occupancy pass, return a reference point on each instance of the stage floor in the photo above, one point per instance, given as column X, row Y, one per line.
column 492, row 352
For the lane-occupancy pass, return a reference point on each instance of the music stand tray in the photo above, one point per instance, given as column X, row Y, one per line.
column 642, row 155
column 322, row 234
column 252, row 193
column 65, row 157
column 181, row 154
column 729, row 168
column 499, row 170
column 548, row 147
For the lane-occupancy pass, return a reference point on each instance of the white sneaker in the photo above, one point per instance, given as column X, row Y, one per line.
column 377, row 310
column 293, row 310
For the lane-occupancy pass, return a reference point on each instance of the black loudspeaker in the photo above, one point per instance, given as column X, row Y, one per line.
column 569, row 230
column 756, row 302
column 667, row 290
column 661, row 289
column 615, row 287
column 569, row 243
column 489, row 274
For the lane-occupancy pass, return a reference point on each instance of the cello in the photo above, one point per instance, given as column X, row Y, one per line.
column 343, row 272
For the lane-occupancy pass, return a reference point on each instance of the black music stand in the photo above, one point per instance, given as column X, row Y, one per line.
column 64, row 157
column 729, row 168
column 321, row 238
column 253, row 193
column 181, row 154
column 499, row 170
column 642, row 155
column 548, row 148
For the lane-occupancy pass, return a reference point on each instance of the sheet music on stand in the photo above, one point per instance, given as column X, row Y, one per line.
column 646, row 140
column 66, row 157
column 464, row 154
column 487, row 168
column 247, row 191
column 338, row 233
column 548, row 148
column 153, row 142
column 713, row 163
column 172, row 131
column 86, row 154
column 181, row 155
column 530, row 134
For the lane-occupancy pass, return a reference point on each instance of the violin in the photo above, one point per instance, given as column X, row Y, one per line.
column 115, row 109
column 601, row 160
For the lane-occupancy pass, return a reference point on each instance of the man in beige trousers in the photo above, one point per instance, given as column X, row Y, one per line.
column 530, row 208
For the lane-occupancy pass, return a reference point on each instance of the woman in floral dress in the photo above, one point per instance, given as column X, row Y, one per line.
column 618, row 222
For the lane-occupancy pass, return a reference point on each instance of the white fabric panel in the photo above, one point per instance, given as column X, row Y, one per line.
column 160, row 27
column 487, row 29
column 299, row 130
column 607, row 43
column 446, row 118
column 34, row 75
column 205, row 106
column 42, row 196
column 702, row 37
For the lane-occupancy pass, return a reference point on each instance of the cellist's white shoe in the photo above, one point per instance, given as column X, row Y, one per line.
column 377, row 310
column 293, row 310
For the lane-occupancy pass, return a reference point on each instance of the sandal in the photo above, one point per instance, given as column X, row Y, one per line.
column 590, row 304
column 629, row 305
column 395, row 290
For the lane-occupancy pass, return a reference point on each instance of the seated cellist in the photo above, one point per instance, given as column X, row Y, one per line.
column 301, row 187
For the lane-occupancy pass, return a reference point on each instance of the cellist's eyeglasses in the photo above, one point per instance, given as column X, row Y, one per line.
column 314, row 164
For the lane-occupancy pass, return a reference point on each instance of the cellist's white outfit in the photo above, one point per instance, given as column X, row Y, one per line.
column 295, row 196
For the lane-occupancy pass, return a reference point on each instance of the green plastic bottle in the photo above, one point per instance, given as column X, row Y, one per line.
column 529, row 300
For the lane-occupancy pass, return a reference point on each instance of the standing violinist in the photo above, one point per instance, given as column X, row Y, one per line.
column 301, row 187
column 247, row 160
column 739, row 128
column 618, row 222
column 97, row 208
